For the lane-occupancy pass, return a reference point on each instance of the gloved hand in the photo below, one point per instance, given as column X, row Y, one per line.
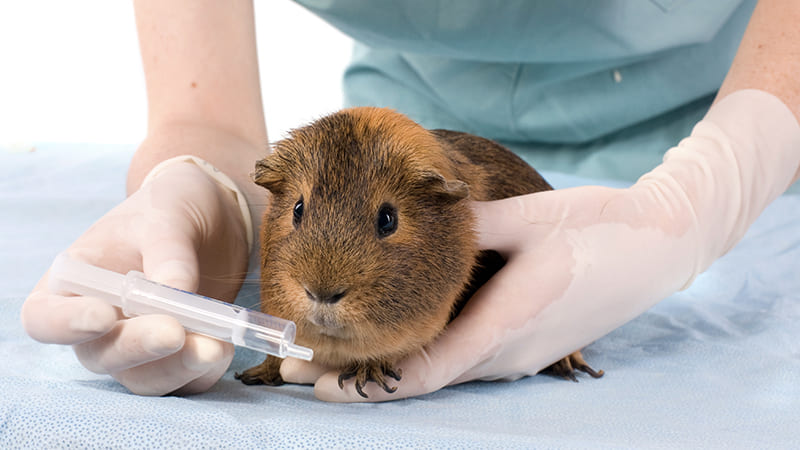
column 182, row 229
column 583, row 261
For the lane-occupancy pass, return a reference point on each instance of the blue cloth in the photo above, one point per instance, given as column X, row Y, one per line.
column 715, row 366
column 559, row 81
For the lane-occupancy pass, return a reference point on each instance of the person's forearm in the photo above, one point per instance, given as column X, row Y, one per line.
column 746, row 150
column 769, row 54
column 201, row 70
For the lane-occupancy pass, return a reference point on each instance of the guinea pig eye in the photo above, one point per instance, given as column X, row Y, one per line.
column 387, row 220
column 297, row 213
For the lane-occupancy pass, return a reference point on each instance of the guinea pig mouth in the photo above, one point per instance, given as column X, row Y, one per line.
column 325, row 321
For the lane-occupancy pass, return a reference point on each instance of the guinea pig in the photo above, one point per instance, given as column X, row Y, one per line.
column 368, row 242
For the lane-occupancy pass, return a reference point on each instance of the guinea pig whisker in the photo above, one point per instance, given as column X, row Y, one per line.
column 254, row 306
column 236, row 277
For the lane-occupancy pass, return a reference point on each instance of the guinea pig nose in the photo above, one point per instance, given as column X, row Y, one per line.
column 325, row 297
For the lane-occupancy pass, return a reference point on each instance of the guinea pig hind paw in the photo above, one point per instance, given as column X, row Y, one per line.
column 566, row 368
column 267, row 373
column 366, row 372
column 580, row 364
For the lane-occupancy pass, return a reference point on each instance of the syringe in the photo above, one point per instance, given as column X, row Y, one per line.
column 137, row 295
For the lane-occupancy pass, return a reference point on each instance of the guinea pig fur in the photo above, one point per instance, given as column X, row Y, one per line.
column 368, row 242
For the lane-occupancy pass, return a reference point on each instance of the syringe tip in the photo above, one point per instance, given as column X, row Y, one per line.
column 299, row 352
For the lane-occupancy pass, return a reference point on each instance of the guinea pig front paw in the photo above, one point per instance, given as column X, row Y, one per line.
column 268, row 372
column 566, row 367
column 365, row 372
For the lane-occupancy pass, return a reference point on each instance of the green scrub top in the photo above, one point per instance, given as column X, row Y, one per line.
column 600, row 88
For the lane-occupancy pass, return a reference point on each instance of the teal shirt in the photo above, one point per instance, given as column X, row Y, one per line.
column 598, row 87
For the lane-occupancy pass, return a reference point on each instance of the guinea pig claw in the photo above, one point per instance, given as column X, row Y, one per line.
column 566, row 367
column 571, row 377
column 345, row 376
column 593, row 373
column 391, row 373
column 577, row 361
column 359, row 383
column 360, row 392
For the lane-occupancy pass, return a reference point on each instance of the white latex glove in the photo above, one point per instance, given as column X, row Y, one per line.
column 583, row 261
column 180, row 225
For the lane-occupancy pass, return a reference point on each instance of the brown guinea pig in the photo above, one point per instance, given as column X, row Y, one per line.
column 368, row 242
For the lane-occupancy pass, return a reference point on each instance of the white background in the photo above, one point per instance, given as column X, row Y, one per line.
column 70, row 71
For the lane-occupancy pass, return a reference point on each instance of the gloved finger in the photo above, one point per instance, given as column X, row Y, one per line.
column 297, row 371
column 504, row 313
column 132, row 342
column 200, row 351
column 169, row 257
column 420, row 374
column 201, row 356
column 58, row 319
column 428, row 370
column 507, row 225
column 460, row 347
column 469, row 347
column 500, row 223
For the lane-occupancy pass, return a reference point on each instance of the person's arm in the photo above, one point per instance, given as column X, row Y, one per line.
column 583, row 261
column 768, row 57
column 203, row 90
column 183, row 227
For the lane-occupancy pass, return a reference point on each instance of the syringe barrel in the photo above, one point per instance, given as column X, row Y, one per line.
column 208, row 316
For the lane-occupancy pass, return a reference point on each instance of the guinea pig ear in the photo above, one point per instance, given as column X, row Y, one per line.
column 268, row 175
column 450, row 190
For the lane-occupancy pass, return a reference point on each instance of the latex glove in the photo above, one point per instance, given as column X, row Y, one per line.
column 175, row 228
column 583, row 261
